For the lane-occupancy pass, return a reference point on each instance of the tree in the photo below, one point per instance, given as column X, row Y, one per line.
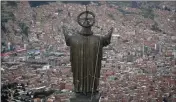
column 24, row 30
column 155, row 27
column 6, row 15
column 12, row 3
column 148, row 13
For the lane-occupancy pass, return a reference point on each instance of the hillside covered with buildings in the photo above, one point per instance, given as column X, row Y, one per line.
column 138, row 65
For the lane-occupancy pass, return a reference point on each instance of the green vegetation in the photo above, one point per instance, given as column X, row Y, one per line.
column 12, row 3
column 156, row 28
column 111, row 16
column 124, row 3
column 146, row 48
column 6, row 13
column 24, row 29
column 60, row 11
column 145, row 6
column 149, row 4
column 5, row 16
column 120, row 3
column 125, row 12
column 148, row 13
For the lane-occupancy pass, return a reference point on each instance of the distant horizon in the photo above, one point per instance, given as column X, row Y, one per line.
column 38, row 3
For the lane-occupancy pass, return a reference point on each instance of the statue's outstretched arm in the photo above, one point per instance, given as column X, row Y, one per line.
column 107, row 38
column 67, row 37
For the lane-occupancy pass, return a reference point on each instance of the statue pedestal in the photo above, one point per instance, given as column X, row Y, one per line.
column 85, row 98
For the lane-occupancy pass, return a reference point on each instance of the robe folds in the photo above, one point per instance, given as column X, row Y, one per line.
column 85, row 58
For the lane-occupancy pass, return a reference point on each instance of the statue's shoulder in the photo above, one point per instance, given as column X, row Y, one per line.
column 75, row 37
column 99, row 37
column 96, row 36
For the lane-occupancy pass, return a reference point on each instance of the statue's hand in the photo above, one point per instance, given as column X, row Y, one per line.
column 111, row 30
column 107, row 38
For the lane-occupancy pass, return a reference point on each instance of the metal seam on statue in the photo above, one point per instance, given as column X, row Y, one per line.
column 95, row 69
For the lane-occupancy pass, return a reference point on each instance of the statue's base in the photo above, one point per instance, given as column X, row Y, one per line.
column 85, row 98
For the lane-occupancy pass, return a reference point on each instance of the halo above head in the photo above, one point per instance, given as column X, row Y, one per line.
column 86, row 19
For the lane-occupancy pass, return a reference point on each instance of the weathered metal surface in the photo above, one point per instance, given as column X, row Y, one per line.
column 85, row 57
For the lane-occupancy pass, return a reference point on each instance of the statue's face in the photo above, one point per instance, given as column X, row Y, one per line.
column 86, row 31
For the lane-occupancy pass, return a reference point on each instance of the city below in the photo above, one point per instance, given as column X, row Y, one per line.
column 139, row 64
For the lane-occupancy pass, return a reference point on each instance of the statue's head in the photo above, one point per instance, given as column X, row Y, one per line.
column 86, row 19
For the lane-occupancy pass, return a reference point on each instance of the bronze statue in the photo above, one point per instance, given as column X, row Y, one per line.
column 86, row 54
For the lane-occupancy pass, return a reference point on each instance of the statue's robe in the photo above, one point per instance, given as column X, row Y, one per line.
column 85, row 57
